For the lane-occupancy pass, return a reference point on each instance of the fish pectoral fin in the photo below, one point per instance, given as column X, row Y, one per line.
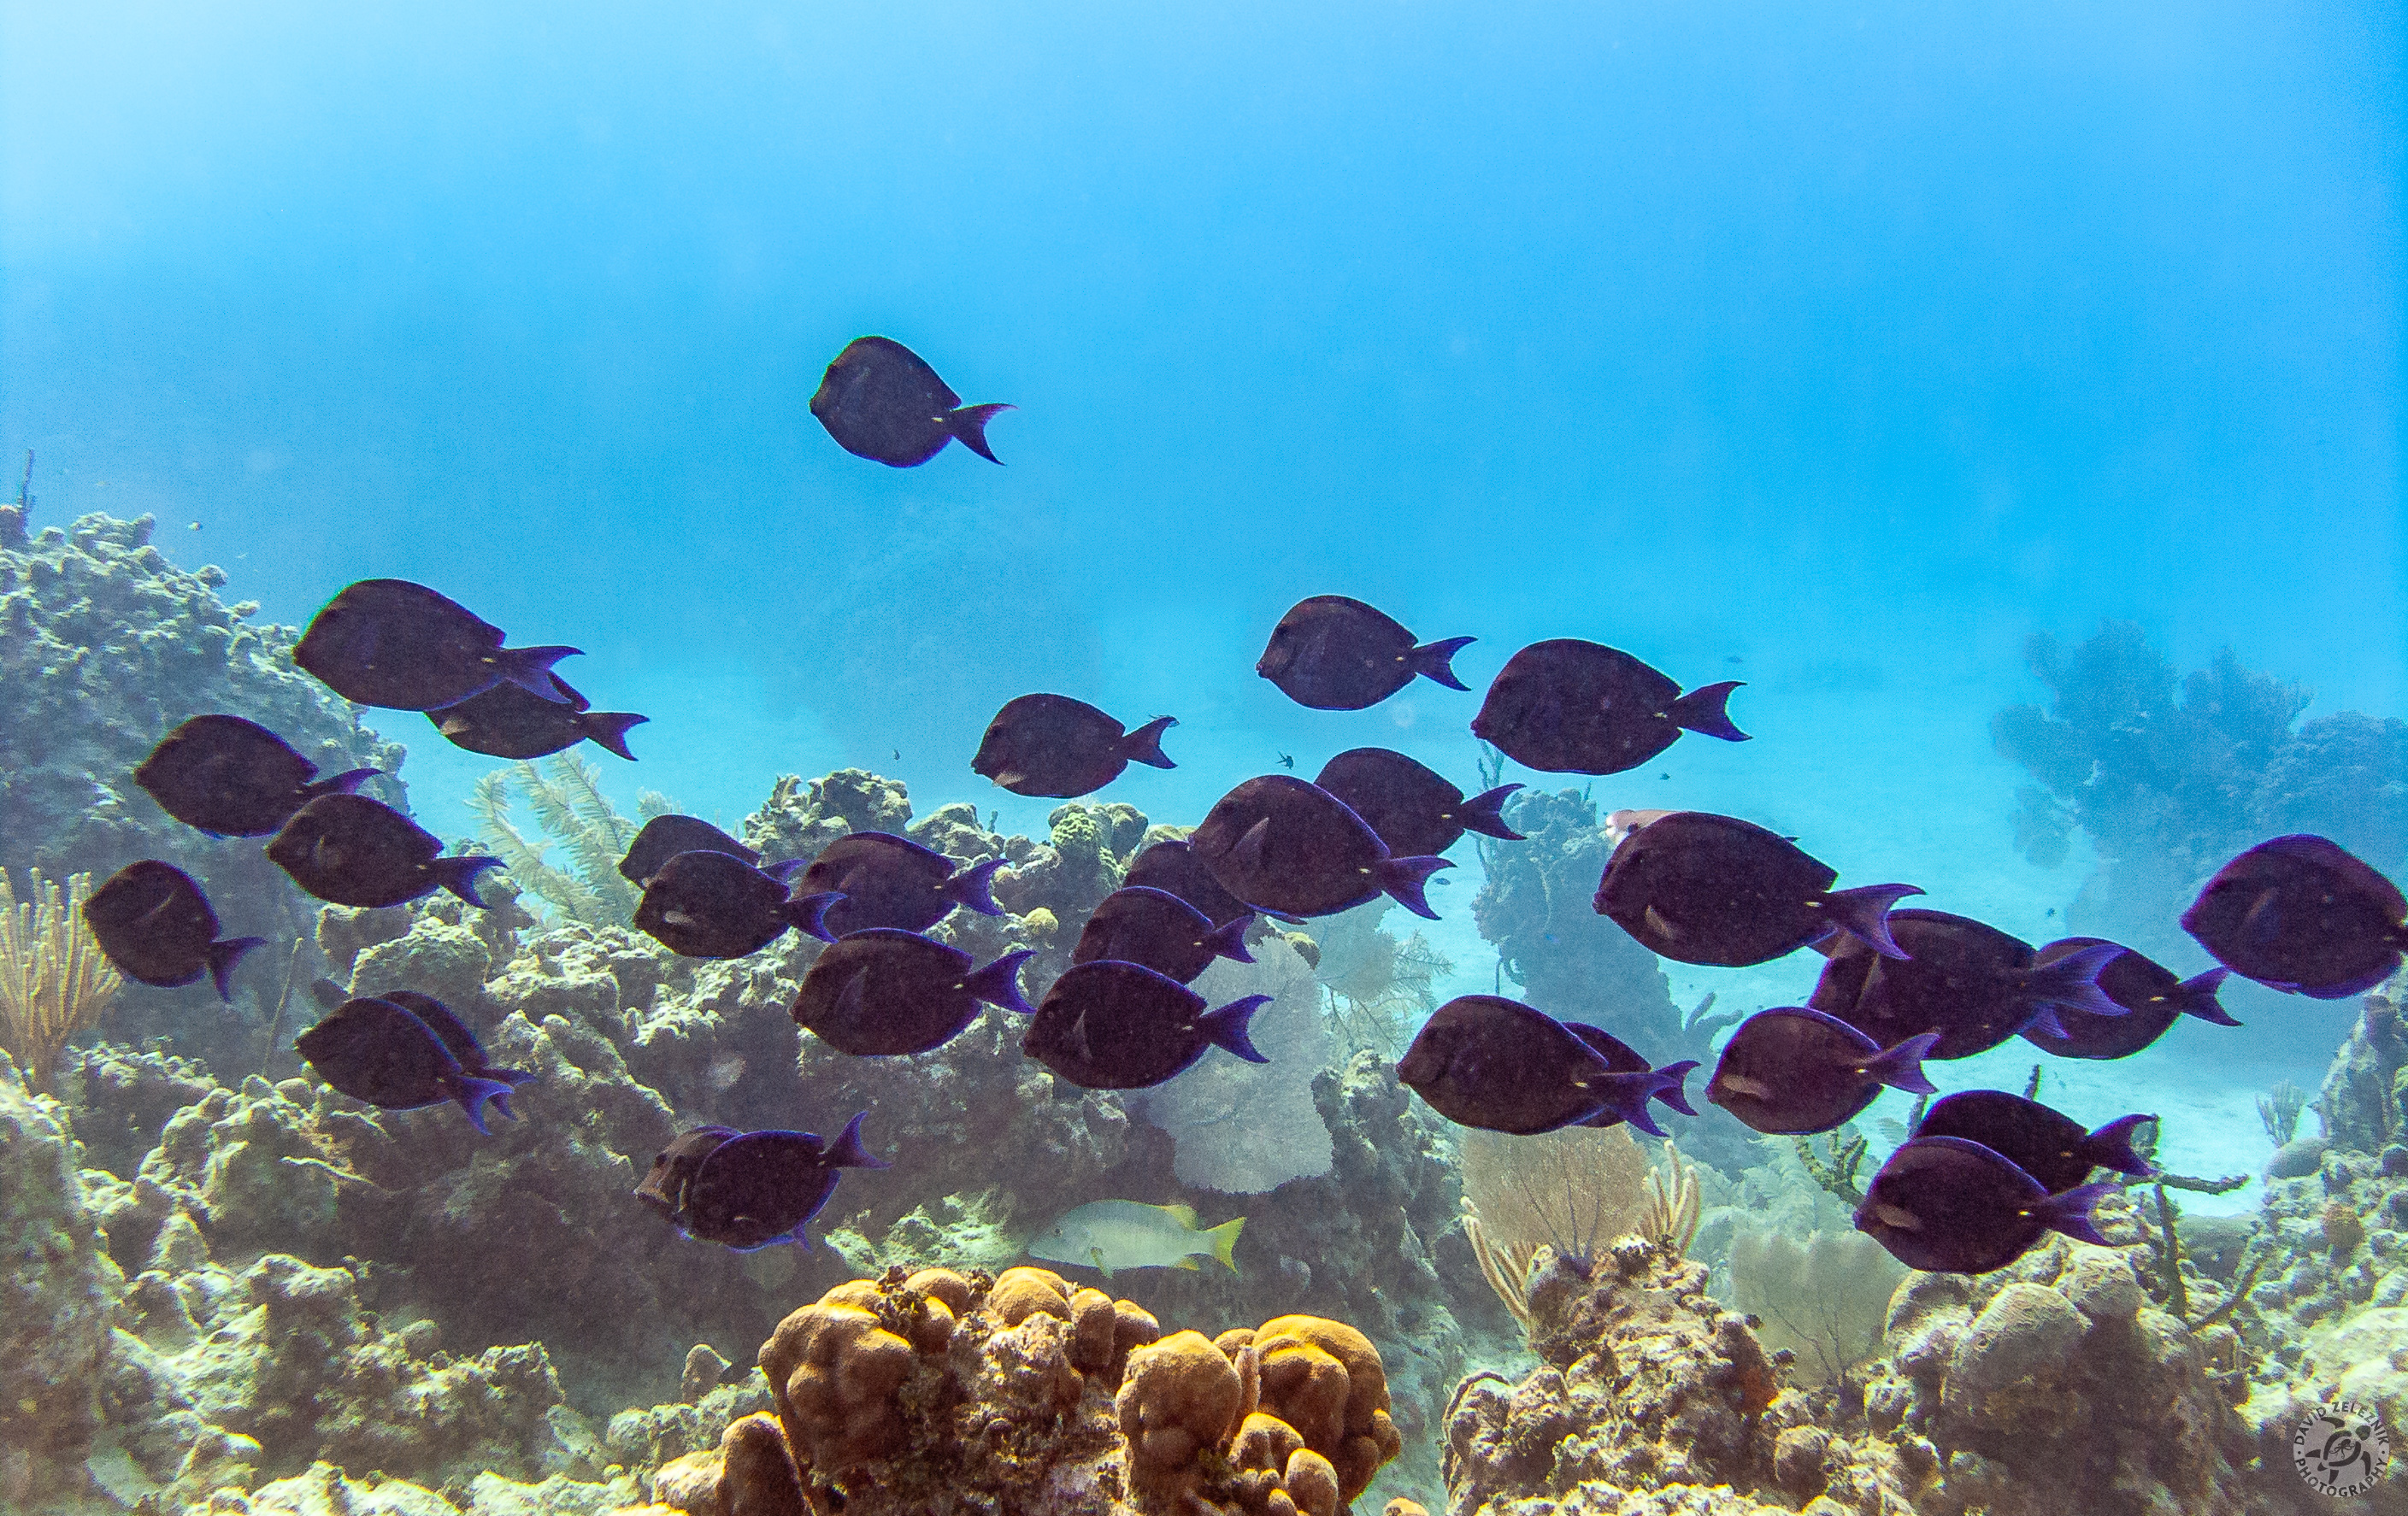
column 1101, row 1266
column 1658, row 923
column 1741, row 1084
column 1247, row 854
column 1905, row 1220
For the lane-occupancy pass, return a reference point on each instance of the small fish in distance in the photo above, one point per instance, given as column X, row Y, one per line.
column 1137, row 925
column 1111, row 1025
column 1283, row 845
column 2153, row 1000
column 1569, row 707
column 748, row 1191
column 1973, row 984
column 1790, row 1071
column 1487, row 1061
column 1705, row 888
column 509, row 722
column 893, row 881
column 375, row 1050
column 229, row 777
column 154, row 925
column 1054, row 747
column 2049, row 1145
column 1622, row 1058
column 884, row 993
column 1945, row 1205
column 2302, row 915
column 880, row 400
column 1171, row 866
column 664, row 838
column 1412, row 808
column 1110, row 1236
column 713, row 904
column 349, row 850
column 1334, row 653
column 461, row 1043
column 401, row 646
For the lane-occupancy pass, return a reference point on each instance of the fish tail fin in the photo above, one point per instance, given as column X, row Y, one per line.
column 1701, row 711
column 1226, row 1026
column 530, row 669
column 2069, row 1212
column 973, row 888
column 1863, row 913
column 459, row 875
column 809, row 915
column 1404, row 879
column 998, row 983
column 1626, row 1096
column 2073, row 982
column 1144, row 745
column 1436, row 659
column 968, row 423
column 1224, row 1242
column 608, row 729
column 2195, row 995
column 784, row 870
column 1902, row 1067
column 1676, row 1094
column 346, row 782
column 1484, row 813
column 2111, row 1147
column 1228, row 939
column 473, row 1093
column 223, row 955
column 846, row 1151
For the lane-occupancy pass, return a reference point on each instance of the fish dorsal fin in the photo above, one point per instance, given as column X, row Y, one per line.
column 1184, row 1215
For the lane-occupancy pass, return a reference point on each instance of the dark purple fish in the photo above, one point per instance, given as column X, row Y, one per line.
column 461, row 1043
column 1790, row 1071
column 2050, row 1147
column 883, row 993
column 1171, row 866
column 375, row 1050
column 228, row 777
column 1112, row 1026
column 664, row 836
column 401, row 646
column 893, row 881
column 1285, row 846
column 510, row 722
column 713, row 904
column 2300, row 915
column 1052, row 746
column 1487, row 1061
column 1945, row 1205
column 2153, row 1000
column 353, row 851
column 1706, row 889
column 880, row 401
column 1334, row 653
column 1622, row 1058
column 751, row 1190
column 1973, row 984
column 1137, row 925
column 1569, row 707
column 1414, row 809
column 155, row 925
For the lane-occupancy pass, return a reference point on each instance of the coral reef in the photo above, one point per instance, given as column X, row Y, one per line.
column 54, row 980
column 565, row 794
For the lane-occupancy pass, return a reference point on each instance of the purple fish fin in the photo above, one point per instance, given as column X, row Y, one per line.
column 1144, row 745
column 473, row 1093
column 2073, row 982
column 511, row 1077
column 998, row 983
column 1228, row 939
column 973, row 888
column 1676, row 1094
column 1436, row 659
column 968, row 423
column 2111, row 1146
column 609, row 729
column 785, row 869
column 1226, row 1027
column 2195, row 995
column 223, row 955
column 809, row 915
column 2069, row 1212
column 1484, row 813
column 1626, row 1096
column 1902, row 1067
column 1404, row 879
column 530, row 669
column 1863, row 913
column 1701, row 711
column 459, row 875
column 2044, row 1022
column 846, row 1151
column 346, row 782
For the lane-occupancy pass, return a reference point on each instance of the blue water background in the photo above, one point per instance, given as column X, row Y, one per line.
column 1854, row 342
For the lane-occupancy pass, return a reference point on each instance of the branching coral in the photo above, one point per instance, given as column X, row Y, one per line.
column 1574, row 1190
column 1824, row 1302
column 1670, row 1205
column 566, row 797
column 1379, row 988
column 54, row 980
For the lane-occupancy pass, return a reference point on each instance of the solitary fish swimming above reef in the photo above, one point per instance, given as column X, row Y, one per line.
column 884, row 993
column 1112, row 1026
column 710, row 905
column 510, row 722
column 1413, row 806
column 2302, row 915
column 1973, row 984
column 664, row 836
column 1789, row 1071
column 1114, row 1235
column 1487, row 1061
column 377, row 1051
column 1052, row 746
column 401, row 646
column 880, row 400
column 154, row 925
column 351, row 850
column 2049, row 1145
column 1137, row 925
column 1334, row 653
column 1171, row 865
column 751, row 1190
column 2153, row 1000
column 1569, row 707
column 1705, row 888
column 229, row 777
column 893, row 881
column 1283, row 845
column 1945, row 1205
